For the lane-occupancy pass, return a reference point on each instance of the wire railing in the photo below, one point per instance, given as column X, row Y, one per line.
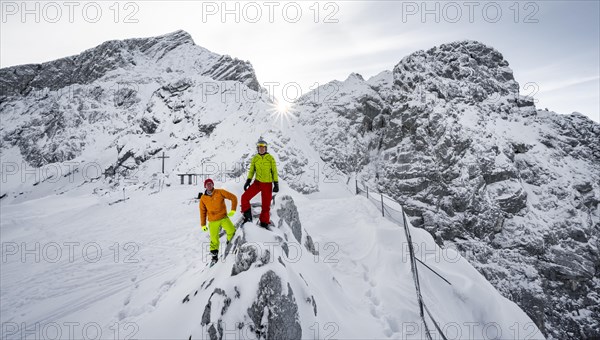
column 399, row 217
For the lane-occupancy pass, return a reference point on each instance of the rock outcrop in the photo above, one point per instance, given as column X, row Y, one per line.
column 448, row 135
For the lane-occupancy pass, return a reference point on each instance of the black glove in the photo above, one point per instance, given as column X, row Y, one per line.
column 275, row 187
column 247, row 185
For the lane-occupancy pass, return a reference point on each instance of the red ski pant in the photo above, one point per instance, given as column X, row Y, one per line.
column 266, row 193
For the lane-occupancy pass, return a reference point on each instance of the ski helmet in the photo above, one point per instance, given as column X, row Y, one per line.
column 261, row 142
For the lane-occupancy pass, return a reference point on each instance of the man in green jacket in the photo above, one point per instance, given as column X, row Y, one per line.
column 264, row 167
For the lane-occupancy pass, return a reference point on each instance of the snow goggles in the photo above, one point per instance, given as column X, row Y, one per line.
column 265, row 145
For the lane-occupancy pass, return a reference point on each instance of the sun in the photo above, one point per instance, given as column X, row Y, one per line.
column 282, row 110
column 282, row 106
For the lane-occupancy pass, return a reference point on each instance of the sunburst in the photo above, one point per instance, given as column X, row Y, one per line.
column 282, row 110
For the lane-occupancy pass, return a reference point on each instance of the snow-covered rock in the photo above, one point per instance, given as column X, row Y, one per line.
column 474, row 163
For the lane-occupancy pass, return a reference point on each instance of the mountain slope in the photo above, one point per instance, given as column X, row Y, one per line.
column 161, row 94
column 515, row 189
column 94, row 64
column 351, row 279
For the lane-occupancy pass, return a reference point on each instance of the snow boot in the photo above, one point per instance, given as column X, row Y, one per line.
column 215, row 257
column 264, row 225
column 248, row 215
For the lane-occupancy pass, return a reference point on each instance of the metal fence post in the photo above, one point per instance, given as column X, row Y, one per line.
column 382, row 213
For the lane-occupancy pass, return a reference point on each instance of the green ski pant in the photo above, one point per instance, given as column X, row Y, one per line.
column 214, row 228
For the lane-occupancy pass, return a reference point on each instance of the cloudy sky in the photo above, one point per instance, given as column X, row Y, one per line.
column 552, row 46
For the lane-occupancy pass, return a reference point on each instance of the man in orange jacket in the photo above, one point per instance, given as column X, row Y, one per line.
column 212, row 204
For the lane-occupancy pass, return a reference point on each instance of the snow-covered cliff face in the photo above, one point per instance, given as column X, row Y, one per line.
column 514, row 188
column 110, row 112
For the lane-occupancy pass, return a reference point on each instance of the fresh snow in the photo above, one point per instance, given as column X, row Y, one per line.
column 361, row 279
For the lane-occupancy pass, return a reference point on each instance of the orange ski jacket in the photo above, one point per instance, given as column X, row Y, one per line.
column 214, row 205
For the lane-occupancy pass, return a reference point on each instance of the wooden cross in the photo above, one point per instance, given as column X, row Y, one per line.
column 163, row 161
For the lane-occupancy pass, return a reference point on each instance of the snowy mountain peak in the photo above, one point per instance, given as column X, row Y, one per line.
column 172, row 52
column 448, row 135
column 178, row 37
column 356, row 76
column 468, row 70
column 110, row 96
